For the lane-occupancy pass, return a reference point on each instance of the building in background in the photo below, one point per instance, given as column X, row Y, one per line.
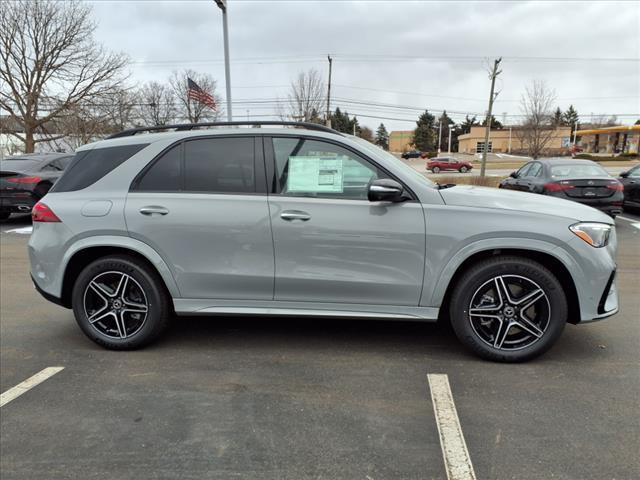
column 620, row 139
column 401, row 141
column 506, row 141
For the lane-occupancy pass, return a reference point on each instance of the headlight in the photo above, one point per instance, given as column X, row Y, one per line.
column 595, row 234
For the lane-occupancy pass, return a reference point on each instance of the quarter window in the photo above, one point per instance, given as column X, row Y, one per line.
column 165, row 173
column 312, row 168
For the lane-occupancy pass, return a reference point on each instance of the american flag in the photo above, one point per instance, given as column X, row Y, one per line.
column 196, row 93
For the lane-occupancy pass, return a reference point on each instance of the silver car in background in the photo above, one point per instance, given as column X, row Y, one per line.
column 309, row 222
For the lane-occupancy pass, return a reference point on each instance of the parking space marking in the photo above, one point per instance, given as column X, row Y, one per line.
column 454, row 449
column 627, row 218
column 20, row 231
column 28, row 384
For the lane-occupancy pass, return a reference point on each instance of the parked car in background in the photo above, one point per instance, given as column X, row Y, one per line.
column 308, row 221
column 448, row 163
column 631, row 181
column 582, row 181
column 25, row 179
column 411, row 154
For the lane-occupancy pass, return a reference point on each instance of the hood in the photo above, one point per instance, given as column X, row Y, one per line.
column 485, row 197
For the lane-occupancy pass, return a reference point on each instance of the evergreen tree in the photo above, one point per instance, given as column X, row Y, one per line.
column 465, row 127
column 558, row 118
column 424, row 136
column 340, row 122
column 382, row 137
column 570, row 117
column 495, row 124
column 447, row 123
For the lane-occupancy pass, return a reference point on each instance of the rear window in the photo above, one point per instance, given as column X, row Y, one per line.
column 89, row 166
column 577, row 171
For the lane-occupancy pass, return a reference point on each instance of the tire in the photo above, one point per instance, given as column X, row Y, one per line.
column 538, row 324
column 462, row 169
column 435, row 169
column 4, row 215
column 97, row 293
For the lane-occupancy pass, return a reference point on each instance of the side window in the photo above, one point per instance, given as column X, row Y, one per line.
column 312, row 168
column 523, row 172
column 165, row 175
column 635, row 172
column 224, row 165
column 52, row 166
column 535, row 170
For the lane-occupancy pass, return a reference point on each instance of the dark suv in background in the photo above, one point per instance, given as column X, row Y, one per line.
column 25, row 179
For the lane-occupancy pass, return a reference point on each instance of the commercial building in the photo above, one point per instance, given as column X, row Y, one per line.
column 508, row 140
column 620, row 139
column 400, row 141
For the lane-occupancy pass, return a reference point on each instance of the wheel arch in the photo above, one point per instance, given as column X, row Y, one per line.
column 86, row 254
column 557, row 267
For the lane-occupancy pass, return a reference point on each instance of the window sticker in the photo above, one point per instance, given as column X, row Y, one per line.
column 315, row 175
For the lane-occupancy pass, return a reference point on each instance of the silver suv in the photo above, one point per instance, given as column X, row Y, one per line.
column 215, row 219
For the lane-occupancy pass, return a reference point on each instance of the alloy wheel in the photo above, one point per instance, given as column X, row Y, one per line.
column 509, row 312
column 115, row 304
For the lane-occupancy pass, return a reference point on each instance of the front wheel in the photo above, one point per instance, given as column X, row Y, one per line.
column 120, row 303
column 435, row 169
column 508, row 309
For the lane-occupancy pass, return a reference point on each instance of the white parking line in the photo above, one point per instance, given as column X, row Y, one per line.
column 454, row 449
column 626, row 218
column 28, row 384
column 21, row 231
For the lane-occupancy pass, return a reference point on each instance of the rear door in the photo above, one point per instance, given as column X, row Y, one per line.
column 331, row 244
column 202, row 205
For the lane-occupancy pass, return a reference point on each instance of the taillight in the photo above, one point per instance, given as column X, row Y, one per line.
column 618, row 187
column 42, row 213
column 557, row 187
column 24, row 179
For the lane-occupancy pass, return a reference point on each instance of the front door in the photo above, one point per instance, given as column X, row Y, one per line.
column 202, row 206
column 331, row 244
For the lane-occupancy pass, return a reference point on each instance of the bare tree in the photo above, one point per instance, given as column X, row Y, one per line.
column 157, row 104
column 537, row 127
column 191, row 110
column 50, row 63
column 306, row 97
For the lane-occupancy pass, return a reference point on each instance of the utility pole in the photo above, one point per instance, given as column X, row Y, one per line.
column 329, row 93
column 439, row 136
column 509, row 140
column 575, row 131
column 227, row 74
column 494, row 73
column 449, row 149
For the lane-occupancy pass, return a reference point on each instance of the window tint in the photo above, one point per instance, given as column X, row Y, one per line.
column 312, row 168
column 220, row 165
column 89, row 166
column 165, row 173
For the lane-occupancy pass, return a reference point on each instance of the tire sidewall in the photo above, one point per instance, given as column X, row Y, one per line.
column 156, row 302
column 483, row 272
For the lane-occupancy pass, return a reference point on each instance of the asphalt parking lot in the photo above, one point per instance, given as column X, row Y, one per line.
column 273, row 398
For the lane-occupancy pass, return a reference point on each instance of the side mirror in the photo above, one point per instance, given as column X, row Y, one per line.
column 385, row 190
column 624, row 174
column 513, row 174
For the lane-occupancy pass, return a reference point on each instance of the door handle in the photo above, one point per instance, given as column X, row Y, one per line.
column 290, row 215
column 153, row 210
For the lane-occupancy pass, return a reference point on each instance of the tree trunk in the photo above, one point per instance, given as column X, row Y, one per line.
column 29, row 141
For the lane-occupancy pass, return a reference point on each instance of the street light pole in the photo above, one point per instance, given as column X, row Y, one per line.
column 449, row 149
column 227, row 74
column 439, row 136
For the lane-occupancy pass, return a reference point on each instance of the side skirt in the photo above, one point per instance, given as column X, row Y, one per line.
column 190, row 306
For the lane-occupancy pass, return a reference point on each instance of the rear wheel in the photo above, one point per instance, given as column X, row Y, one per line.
column 508, row 309
column 120, row 303
column 435, row 169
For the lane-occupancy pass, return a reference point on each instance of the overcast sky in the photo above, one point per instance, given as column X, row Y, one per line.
column 414, row 55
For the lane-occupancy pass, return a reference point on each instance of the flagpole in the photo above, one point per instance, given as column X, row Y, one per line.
column 227, row 74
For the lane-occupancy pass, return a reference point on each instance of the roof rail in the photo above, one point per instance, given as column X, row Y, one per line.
column 190, row 126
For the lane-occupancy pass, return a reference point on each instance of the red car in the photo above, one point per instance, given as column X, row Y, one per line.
column 448, row 163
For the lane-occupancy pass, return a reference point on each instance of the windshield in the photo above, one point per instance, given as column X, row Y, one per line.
column 392, row 158
column 577, row 171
